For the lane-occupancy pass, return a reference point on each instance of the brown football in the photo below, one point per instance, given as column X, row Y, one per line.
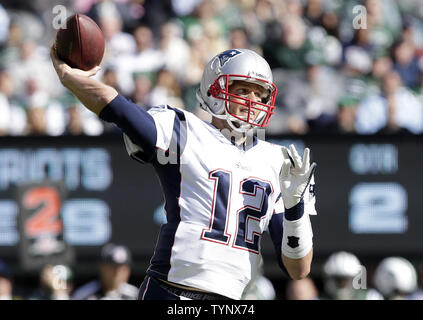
column 81, row 44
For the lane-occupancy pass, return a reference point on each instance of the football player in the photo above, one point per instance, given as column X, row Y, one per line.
column 223, row 187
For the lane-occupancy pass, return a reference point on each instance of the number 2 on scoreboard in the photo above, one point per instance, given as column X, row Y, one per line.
column 46, row 201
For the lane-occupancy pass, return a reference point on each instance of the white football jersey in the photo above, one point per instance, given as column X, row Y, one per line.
column 219, row 200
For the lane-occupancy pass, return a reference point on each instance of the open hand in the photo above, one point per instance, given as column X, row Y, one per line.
column 295, row 175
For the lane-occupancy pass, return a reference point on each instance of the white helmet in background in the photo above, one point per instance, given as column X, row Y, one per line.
column 220, row 72
column 339, row 271
column 342, row 264
column 395, row 275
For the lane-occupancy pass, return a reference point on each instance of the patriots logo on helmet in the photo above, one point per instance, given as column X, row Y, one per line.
column 225, row 56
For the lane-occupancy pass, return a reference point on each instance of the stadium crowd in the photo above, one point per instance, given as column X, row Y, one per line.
column 339, row 68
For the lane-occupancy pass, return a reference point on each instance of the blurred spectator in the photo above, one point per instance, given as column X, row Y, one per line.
column 114, row 273
column 307, row 100
column 406, row 63
column 110, row 78
column 5, row 109
column 55, row 283
column 290, row 52
column 129, row 12
column 289, row 117
column 82, row 121
column 358, row 54
column 9, row 53
column 246, row 16
column 14, row 119
column 37, row 123
column 347, row 108
column 184, row 8
column 343, row 279
column 293, row 7
column 383, row 22
column 117, row 41
column 166, row 90
column 395, row 109
column 34, row 65
column 330, row 21
column 143, row 86
column 45, row 117
column 382, row 65
column 395, row 278
column 239, row 38
column 156, row 13
column 324, row 89
column 313, row 11
column 146, row 59
column 303, row 289
column 4, row 25
column 74, row 126
column 206, row 29
column 198, row 56
column 175, row 50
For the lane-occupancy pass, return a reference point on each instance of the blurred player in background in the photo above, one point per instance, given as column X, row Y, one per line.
column 341, row 273
column 303, row 289
column 223, row 187
column 114, row 273
column 6, row 284
column 55, row 283
column 418, row 294
column 395, row 278
column 259, row 288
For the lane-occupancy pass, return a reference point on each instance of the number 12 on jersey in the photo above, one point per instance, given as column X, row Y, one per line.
column 247, row 234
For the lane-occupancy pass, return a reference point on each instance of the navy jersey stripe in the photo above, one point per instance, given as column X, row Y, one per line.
column 276, row 233
column 170, row 178
column 180, row 130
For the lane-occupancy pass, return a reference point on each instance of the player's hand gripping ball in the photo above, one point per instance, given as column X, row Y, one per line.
column 81, row 44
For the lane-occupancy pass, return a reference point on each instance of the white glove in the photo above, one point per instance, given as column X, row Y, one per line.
column 295, row 175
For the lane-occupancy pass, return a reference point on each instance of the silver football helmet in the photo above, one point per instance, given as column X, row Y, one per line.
column 339, row 271
column 220, row 72
column 395, row 275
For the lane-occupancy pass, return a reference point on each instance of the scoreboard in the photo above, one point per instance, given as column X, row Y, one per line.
column 369, row 199
column 368, row 193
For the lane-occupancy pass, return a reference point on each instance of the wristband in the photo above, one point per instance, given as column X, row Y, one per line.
column 297, row 238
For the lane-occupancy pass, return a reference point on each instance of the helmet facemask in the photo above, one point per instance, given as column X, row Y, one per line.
column 220, row 90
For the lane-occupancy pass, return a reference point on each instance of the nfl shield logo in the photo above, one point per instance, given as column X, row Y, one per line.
column 293, row 242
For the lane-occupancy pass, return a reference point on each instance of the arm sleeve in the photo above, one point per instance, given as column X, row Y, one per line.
column 136, row 123
column 276, row 232
column 144, row 131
